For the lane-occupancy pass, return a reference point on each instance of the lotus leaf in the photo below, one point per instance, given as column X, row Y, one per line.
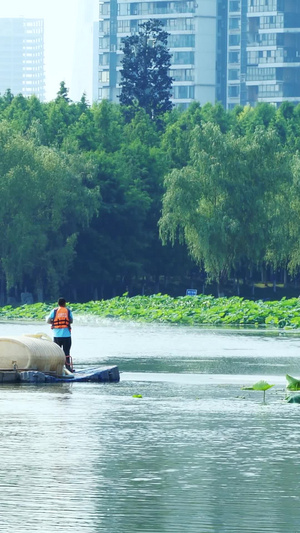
column 260, row 385
column 201, row 309
column 293, row 399
column 293, row 383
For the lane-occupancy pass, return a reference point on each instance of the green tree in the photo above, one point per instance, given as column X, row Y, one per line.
column 22, row 113
column 249, row 118
column 176, row 139
column 63, row 92
column 218, row 204
column 6, row 99
column 292, row 229
column 145, row 69
column 111, row 249
column 45, row 200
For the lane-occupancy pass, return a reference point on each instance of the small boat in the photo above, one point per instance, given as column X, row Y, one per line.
column 33, row 359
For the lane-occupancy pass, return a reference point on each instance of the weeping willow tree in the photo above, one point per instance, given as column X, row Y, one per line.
column 220, row 205
column 44, row 202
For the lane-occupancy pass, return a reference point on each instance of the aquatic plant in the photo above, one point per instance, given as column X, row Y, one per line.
column 187, row 310
column 293, row 383
column 295, row 398
column 260, row 386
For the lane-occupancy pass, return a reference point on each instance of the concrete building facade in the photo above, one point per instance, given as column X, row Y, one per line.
column 273, row 51
column 237, row 52
column 263, row 52
column 22, row 56
column 192, row 43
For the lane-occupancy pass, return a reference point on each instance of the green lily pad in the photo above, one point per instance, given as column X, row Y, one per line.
column 293, row 383
column 293, row 399
column 260, row 385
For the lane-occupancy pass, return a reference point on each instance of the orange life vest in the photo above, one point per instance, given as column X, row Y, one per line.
column 61, row 318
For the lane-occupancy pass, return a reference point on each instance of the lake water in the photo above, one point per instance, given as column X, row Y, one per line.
column 194, row 454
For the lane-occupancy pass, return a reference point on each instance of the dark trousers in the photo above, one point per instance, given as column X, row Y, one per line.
column 65, row 344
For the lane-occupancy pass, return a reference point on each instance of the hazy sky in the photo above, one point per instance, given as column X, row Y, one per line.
column 68, row 40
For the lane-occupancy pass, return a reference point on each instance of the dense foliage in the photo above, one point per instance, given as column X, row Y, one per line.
column 83, row 189
column 190, row 311
column 145, row 78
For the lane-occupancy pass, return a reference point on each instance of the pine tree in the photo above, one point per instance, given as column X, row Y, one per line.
column 145, row 74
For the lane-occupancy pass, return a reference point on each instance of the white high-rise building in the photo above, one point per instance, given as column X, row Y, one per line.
column 192, row 42
column 273, row 52
column 263, row 52
column 22, row 56
column 237, row 52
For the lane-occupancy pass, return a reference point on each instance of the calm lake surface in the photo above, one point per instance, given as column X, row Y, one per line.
column 194, row 454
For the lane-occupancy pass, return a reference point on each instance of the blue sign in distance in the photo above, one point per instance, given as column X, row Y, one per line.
column 191, row 292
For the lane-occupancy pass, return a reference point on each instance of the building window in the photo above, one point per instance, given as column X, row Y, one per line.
column 103, row 42
column 234, row 5
column 183, row 58
column 123, row 9
column 183, row 74
column 181, row 41
column 105, row 92
column 233, row 91
column 233, row 74
column 183, row 92
column 234, row 57
column 104, row 27
column 252, row 58
column 256, row 6
column 260, row 74
column 234, row 23
column 179, row 24
column 104, row 76
column 123, row 26
column 106, row 9
column 104, row 59
column 156, row 8
column 234, row 40
column 134, row 9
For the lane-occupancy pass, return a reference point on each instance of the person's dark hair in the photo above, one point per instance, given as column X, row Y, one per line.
column 61, row 302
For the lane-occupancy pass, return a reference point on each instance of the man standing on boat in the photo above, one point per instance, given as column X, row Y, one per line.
column 61, row 319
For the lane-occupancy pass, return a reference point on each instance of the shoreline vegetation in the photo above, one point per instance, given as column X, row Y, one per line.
column 202, row 310
column 202, row 197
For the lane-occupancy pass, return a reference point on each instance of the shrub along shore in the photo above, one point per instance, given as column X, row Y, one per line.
column 192, row 311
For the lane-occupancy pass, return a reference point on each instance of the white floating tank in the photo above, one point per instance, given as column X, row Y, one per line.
column 31, row 352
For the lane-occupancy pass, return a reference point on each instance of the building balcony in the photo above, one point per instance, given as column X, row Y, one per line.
column 261, row 13
column 280, row 90
column 277, row 99
column 272, row 9
column 268, row 75
column 278, row 61
column 255, row 40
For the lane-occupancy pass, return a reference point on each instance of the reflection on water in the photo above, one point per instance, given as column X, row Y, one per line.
column 195, row 453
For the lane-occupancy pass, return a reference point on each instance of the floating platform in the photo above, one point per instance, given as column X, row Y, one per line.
column 98, row 375
column 37, row 359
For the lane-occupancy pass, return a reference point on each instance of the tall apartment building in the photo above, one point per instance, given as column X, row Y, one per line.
column 192, row 42
column 263, row 52
column 22, row 56
column 237, row 52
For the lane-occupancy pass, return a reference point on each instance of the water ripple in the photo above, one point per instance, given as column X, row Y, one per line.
column 195, row 454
